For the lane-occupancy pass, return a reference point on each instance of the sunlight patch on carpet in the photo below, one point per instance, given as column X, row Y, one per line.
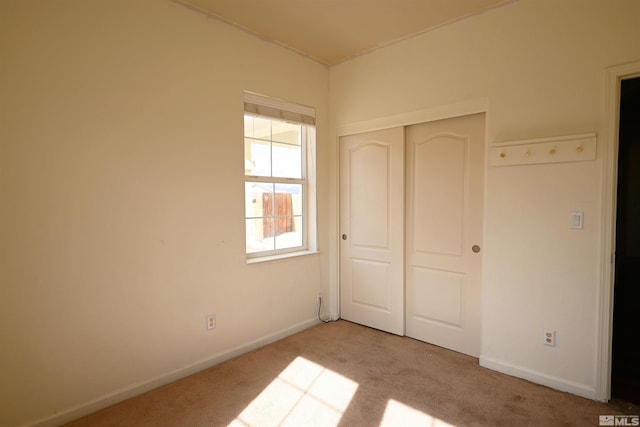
column 304, row 393
column 399, row 414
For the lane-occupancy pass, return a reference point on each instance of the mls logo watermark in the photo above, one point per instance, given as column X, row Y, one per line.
column 619, row 420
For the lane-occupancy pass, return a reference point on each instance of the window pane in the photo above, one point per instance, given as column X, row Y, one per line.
column 288, row 221
column 290, row 237
column 257, row 157
column 287, row 161
column 286, row 132
column 288, row 199
column 257, row 241
column 259, row 211
column 256, row 127
column 258, row 199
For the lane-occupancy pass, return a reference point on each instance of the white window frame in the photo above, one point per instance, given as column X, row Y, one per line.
column 279, row 110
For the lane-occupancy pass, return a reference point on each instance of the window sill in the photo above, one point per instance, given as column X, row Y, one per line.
column 280, row 256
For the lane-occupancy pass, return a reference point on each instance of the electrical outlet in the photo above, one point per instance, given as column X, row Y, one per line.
column 550, row 337
column 211, row 321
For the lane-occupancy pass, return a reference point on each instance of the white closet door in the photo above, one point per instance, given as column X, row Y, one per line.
column 372, row 229
column 445, row 182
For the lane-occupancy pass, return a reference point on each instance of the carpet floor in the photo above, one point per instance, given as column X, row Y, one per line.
column 343, row 374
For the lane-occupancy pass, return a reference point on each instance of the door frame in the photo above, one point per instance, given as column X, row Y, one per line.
column 473, row 106
column 604, row 339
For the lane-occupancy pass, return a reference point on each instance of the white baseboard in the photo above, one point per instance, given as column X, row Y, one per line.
column 144, row 386
column 561, row 384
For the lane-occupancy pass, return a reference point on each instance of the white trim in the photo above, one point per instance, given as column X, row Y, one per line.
column 169, row 377
column 614, row 76
column 463, row 108
column 562, row 138
column 579, row 389
column 273, row 179
column 286, row 255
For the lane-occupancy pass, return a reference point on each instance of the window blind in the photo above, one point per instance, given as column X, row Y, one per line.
column 278, row 109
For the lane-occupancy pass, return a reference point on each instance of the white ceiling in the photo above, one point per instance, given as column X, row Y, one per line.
column 332, row 31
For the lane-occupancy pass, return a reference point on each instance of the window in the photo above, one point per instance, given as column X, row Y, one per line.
column 279, row 145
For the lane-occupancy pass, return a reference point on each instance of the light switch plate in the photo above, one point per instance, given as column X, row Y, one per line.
column 577, row 220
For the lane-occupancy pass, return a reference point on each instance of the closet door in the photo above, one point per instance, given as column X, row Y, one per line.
column 445, row 182
column 372, row 229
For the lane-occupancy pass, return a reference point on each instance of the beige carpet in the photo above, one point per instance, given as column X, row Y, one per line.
column 343, row 374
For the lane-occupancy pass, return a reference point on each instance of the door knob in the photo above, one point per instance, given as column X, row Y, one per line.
column 475, row 248
column 344, row 237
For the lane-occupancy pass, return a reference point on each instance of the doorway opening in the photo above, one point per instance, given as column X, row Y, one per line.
column 625, row 367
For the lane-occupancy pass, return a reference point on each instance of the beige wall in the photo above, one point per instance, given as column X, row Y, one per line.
column 121, row 199
column 541, row 66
